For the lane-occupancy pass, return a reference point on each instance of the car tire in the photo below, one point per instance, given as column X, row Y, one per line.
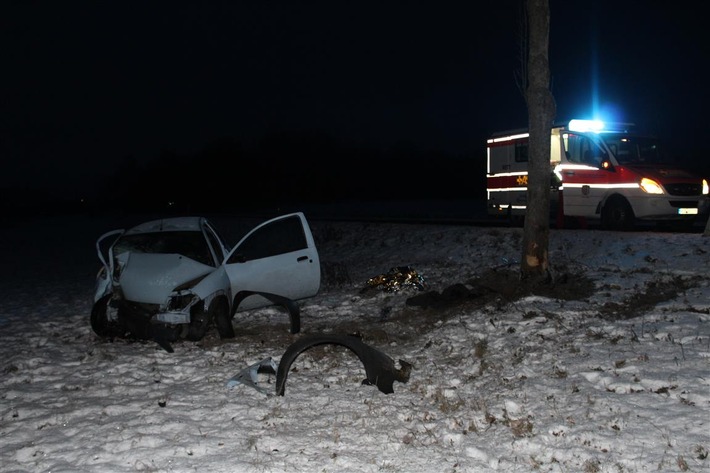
column 99, row 320
column 222, row 318
column 200, row 322
column 617, row 214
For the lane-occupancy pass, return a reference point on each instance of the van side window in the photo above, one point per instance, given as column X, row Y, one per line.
column 582, row 150
column 594, row 155
column 574, row 154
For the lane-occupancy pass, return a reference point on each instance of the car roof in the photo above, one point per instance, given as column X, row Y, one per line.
column 173, row 224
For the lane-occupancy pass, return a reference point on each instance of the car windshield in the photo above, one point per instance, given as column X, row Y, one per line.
column 636, row 149
column 189, row 244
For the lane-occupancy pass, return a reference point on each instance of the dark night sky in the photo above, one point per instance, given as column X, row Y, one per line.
column 87, row 84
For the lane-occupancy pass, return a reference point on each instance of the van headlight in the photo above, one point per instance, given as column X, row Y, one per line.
column 706, row 188
column 650, row 186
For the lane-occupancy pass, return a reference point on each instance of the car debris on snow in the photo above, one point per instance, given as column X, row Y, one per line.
column 379, row 368
column 397, row 278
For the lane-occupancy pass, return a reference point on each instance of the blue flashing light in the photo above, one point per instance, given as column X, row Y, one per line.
column 594, row 126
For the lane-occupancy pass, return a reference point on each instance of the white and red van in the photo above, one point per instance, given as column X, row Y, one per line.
column 598, row 172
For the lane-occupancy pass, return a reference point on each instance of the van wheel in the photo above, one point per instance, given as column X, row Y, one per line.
column 617, row 214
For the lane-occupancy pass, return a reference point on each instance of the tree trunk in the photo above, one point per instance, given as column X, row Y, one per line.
column 541, row 112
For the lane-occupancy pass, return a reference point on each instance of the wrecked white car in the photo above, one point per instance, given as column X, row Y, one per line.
column 173, row 278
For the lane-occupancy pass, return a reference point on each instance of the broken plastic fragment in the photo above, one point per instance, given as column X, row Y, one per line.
column 249, row 375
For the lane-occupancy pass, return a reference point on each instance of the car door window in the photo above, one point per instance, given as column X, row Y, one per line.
column 279, row 237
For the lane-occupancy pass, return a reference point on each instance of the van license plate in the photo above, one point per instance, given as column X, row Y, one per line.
column 687, row 211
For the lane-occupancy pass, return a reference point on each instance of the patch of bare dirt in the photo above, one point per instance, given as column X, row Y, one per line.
column 509, row 285
column 655, row 292
column 424, row 309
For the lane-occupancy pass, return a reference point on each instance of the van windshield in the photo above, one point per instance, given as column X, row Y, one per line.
column 636, row 149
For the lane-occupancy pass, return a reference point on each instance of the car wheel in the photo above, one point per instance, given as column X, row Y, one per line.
column 617, row 214
column 99, row 319
column 222, row 318
column 200, row 322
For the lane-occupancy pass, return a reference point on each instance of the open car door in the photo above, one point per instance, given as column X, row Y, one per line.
column 277, row 257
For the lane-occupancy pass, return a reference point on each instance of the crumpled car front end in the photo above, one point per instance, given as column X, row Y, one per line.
column 164, row 280
column 162, row 295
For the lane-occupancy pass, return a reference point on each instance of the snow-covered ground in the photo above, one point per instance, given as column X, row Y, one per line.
column 616, row 381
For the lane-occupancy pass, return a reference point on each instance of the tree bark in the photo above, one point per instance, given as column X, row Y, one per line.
column 541, row 112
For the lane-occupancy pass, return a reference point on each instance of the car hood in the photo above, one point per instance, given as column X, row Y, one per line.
column 662, row 172
column 150, row 278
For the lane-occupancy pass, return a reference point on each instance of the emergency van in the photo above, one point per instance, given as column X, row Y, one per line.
column 607, row 173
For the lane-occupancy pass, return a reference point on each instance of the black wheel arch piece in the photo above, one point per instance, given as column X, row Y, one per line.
column 379, row 367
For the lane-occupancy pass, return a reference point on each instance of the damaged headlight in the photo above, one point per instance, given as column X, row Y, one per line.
column 180, row 301
column 178, row 308
column 182, row 297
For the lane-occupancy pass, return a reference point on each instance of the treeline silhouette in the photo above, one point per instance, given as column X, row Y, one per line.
column 284, row 169
column 287, row 168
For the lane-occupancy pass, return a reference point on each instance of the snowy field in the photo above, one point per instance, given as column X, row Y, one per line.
column 614, row 379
